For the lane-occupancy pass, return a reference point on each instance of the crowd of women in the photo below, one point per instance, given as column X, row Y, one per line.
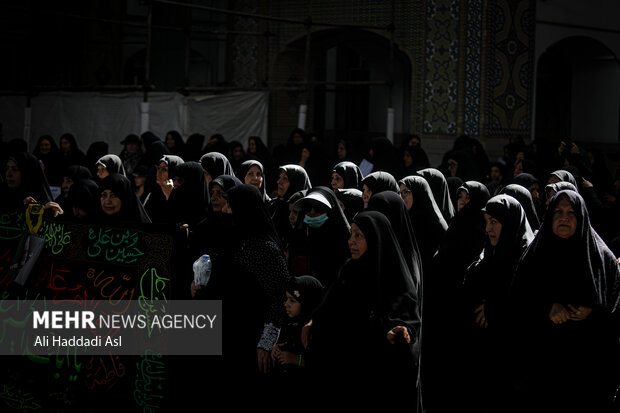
column 473, row 286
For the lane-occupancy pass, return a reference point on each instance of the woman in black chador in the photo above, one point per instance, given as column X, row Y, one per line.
column 487, row 286
column 253, row 285
column 393, row 207
column 443, row 198
column 363, row 333
column 23, row 177
column 327, row 233
column 426, row 219
column 119, row 202
column 291, row 179
column 378, row 182
column 161, row 185
column 346, row 175
column 252, row 172
column 214, row 165
column 109, row 164
column 444, row 320
column 566, row 302
column 525, row 199
column 351, row 201
column 189, row 199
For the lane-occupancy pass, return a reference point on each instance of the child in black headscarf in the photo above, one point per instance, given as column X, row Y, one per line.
column 303, row 294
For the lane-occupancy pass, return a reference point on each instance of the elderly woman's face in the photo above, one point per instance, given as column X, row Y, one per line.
column 337, row 181
column 564, row 223
column 283, row 184
column 357, row 242
column 217, row 198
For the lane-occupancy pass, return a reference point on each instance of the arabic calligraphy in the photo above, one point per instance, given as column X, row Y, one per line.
column 114, row 245
column 153, row 289
column 12, row 225
column 55, row 236
column 104, row 371
column 149, row 383
column 18, row 399
column 103, row 284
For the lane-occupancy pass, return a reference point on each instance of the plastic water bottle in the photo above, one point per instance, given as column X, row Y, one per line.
column 202, row 270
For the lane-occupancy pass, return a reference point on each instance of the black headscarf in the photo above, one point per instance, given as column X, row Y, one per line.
column 381, row 181
column 385, row 156
column 155, row 150
column 216, row 164
column 179, row 145
column 74, row 156
column 372, row 295
column 112, row 163
column 352, row 200
column 580, row 271
column 565, row 176
column 466, row 234
column 51, row 160
column 592, row 267
column 298, row 179
column 193, row 147
column 131, row 208
column 250, row 215
column 439, row 186
column 84, row 194
column 308, row 291
column 225, row 182
column 516, row 233
column 393, row 207
column 188, row 202
column 33, row 182
column 559, row 186
column 173, row 163
column 524, row 197
column 327, row 246
column 243, row 170
column 77, row 172
column 525, row 180
column 350, row 173
column 428, row 223
column 278, row 207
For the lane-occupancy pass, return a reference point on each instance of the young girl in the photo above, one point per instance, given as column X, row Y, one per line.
column 303, row 295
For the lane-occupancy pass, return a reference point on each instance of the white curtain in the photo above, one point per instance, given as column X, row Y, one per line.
column 110, row 117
